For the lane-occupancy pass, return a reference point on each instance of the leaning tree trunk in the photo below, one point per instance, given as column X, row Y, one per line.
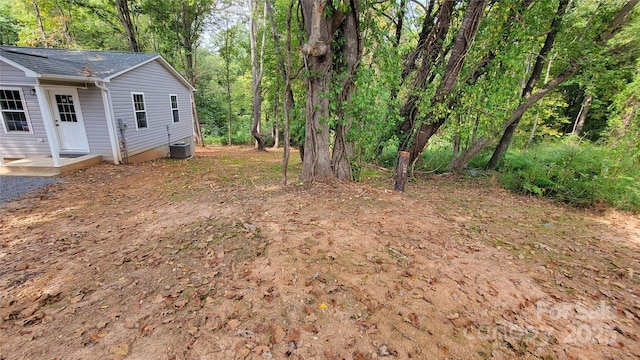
column 616, row 24
column 43, row 36
column 505, row 141
column 478, row 144
column 461, row 45
column 428, row 51
column 582, row 115
column 125, row 18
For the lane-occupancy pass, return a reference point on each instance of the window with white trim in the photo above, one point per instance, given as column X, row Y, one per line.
column 14, row 111
column 140, row 110
column 174, row 108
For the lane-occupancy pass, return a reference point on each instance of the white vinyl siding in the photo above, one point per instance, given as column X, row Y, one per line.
column 175, row 111
column 140, row 111
column 157, row 83
column 13, row 109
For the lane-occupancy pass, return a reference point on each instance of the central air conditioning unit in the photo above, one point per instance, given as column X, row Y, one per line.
column 180, row 151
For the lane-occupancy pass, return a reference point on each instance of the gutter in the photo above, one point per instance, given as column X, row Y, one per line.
column 111, row 121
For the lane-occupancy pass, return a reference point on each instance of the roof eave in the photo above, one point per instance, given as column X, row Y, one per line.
column 71, row 78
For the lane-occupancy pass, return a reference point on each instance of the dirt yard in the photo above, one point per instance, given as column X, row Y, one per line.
column 211, row 258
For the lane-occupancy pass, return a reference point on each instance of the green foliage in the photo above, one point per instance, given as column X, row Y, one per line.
column 578, row 173
column 435, row 158
column 9, row 28
column 389, row 153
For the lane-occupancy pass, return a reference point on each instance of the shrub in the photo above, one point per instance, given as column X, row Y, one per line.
column 580, row 174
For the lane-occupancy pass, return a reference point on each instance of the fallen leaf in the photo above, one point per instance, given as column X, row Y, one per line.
column 147, row 329
column 293, row 335
column 96, row 336
column 120, row 350
column 180, row 303
column 102, row 325
column 414, row 319
column 233, row 324
column 308, row 310
column 277, row 334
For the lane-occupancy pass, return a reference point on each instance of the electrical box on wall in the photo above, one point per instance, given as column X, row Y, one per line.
column 122, row 124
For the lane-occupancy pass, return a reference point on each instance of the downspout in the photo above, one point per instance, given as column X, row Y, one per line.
column 49, row 125
column 111, row 121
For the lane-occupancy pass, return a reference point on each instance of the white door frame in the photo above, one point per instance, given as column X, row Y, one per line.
column 80, row 141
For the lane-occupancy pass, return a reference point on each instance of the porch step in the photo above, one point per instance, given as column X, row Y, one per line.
column 40, row 166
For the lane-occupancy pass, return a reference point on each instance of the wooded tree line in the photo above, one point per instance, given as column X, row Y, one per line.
column 353, row 82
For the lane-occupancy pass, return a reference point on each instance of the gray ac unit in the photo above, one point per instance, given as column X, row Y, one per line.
column 180, row 151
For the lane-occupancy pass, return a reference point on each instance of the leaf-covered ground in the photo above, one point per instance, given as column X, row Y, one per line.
column 212, row 258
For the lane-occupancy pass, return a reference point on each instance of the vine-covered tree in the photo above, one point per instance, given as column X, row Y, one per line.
column 332, row 52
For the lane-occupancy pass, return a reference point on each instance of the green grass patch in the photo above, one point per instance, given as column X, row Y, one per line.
column 581, row 174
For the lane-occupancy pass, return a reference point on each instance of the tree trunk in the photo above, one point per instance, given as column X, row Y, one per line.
column 346, row 66
column 429, row 50
column 619, row 20
column 197, row 131
column 621, row 17
column 43, row 36
column 284, row 63
column 227, row 73
column 535, row 121
column 287, row 103
column 428, row 35
column 403, row 169
column 276, row 135
column 316, row 165
column 505, row 141
column 459, row 163
column 257, row 62
column 124, row 14
column 322, row 27
column 582, row 115
column 66, row 19
column 461, row 45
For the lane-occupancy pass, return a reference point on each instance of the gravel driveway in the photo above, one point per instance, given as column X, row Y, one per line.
column 14, row 186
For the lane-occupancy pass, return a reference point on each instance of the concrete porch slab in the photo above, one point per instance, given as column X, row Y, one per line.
column 43, row 166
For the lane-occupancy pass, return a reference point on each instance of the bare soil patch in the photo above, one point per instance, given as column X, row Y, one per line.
column 211, row 258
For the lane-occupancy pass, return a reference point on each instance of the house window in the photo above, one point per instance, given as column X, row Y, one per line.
column 14, row 114
column 174, row 108
column 140, row 110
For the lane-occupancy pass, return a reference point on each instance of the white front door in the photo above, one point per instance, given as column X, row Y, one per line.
column 68, row 120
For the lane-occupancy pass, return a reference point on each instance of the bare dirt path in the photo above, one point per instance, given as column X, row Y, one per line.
column 211, row 258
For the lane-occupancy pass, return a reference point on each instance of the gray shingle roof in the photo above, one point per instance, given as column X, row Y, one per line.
column 74, row 63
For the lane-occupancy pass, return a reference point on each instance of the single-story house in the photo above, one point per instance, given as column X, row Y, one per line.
column 126, row 107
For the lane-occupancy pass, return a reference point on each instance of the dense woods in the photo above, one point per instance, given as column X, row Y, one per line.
column 546, row 92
